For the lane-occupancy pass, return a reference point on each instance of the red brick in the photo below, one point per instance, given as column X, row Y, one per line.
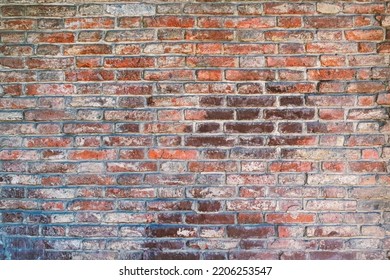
column 58, row 37
column 129, row 22
column 133, row 62
column 209, row 75
column 173, row 154
column 89, row 75
column 332, row 60
column 169, row 21
column 289, row 87
column 209, row 48
column 338, row 167
column 326, row 47
column 87, row 49
column 288, row 36
column 168, row 179
column 166, row 75
column 249, row 75
column 250, row 231
column 331, row 114
column 364, row 8
column 210, row 218
column 289, row 8
column 208, row 114
column 18, row 24
column 329, row 22
column 249, row 127
column 48, row 142
column 45, row 115
column 209, row 35
column 384, row 47
column 209, row 9
column 89, row 23
column 291, row 167
column 367, row 167
column 49, row 63
column 92, row 155
column 289, row 22
column 249, row 48
column 331, row 74
column 365, row 35
column 88, row 205
column 212, row 167
column 305, row 61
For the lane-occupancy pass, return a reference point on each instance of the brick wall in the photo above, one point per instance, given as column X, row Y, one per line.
column 194, row 129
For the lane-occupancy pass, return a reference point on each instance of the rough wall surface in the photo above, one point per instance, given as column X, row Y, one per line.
column 194, row 129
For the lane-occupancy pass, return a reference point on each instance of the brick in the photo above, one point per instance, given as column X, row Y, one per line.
column 210, row 219
column 364, row 8
column 328, row 101
column 328, row 8
column 367, row 167
column 89, row 23
column 332, row 60
column 212, row 166
column 129, row 22
column 289, row 114
column 328, row 22
column 326, row 47
column 306, row 61
column 384, row 47
column 332, row 231
column 208, row 114
column 129, row 35
column 210, row 61
column 131, row 9
column 87, row 49
column 171, row 231
column 291, row 167
column 383, row 99
column 366, row 114
column 90, row 180
column 289, row 8
column 168, row 179
column 169, row 21
column 249, row 48
column 209, row 8
column 57, row 37
column 133, row 62
column 250, row 231
column 86, row 205
column 87, row 128
column 288, row 218
column 249, row 75
column 329, row 205
column 49, row 63
column 91, row 155
column 173, row 154
column 289, row 22
column 364, row 35
column 249, row 127
column 288, row 36
column 166, row 75
column 209, row 35
column 250, row 9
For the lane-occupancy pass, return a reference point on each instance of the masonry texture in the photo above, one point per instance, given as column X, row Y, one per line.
column 194, row 129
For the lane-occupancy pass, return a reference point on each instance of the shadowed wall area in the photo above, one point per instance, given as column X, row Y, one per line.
column 194, row 129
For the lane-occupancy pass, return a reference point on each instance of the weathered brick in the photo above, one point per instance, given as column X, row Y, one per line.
column 205, row 130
